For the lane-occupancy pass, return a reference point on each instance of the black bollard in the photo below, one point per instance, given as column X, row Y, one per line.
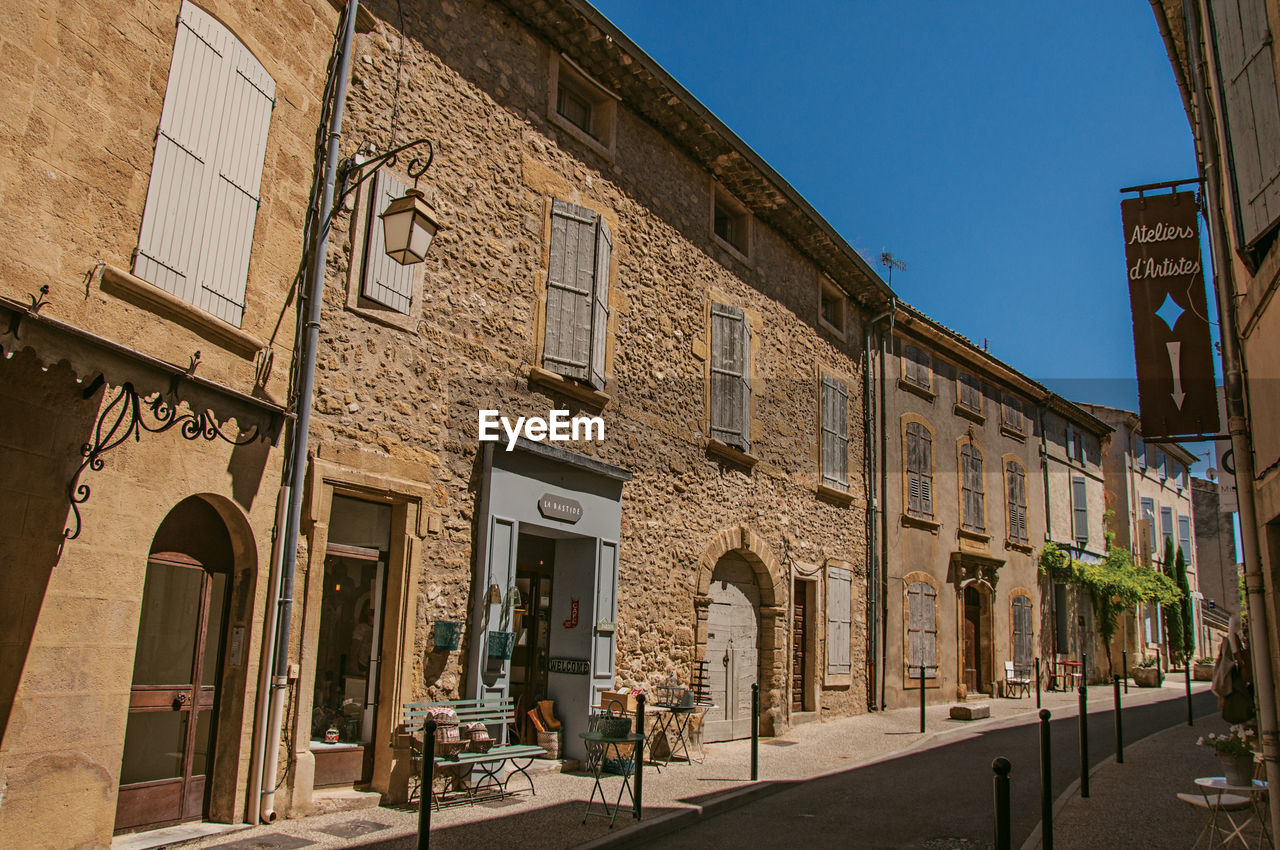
column 1119, row 724
column 1001, row 767
column 424, row 789
column 1124, row 657
column 1084, row 743
column 1046, row 782
column 1037, row 683
column 1084, row 675
column 755, row 732
column 639, row 756
column 922, row 700
column 1190, row 720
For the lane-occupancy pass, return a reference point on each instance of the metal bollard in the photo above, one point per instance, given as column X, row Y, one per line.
column 1002, row 767
column 1119, row 724
column 755, row 732
column 1084, row 743
column 639, row 757
column 1037, row 683
column 1124, row 657
column 1190, row 720
column 1046, row 782
column 922, row 694
column 424, row 789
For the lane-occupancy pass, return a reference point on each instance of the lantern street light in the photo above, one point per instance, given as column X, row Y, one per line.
column 408, row 223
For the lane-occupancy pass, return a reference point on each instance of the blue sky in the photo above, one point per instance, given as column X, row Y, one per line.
column 984, row 144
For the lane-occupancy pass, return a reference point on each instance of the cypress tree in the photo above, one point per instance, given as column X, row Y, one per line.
column 1188, row 617
column 1172, row 611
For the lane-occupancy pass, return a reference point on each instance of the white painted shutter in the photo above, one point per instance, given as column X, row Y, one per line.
column 570, row 288
column 835, row 433
column 600, row 302
column 730, row 376
column 383, row 280
column 1184, row 537
column 922, row 630
column 839, row 621
column 606, row 608
column 1243, row 42
column 202, row 202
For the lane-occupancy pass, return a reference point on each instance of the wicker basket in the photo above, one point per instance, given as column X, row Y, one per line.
column 615, row 727
column 550, row 741
column 450, row 749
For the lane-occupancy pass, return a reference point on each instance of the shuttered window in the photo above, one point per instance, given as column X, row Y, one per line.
column 970, row 393
column 1016, row 489
column 915, row 367
column 835, row 433
column 1080, row 509
column 1166, row 527
column 922, row 630
column 577, row 294
column 730, row 376
column 1243, row 47
column 919, row 471
column 383, row 280
column 971, row 487
column 202, row 201
column 1184, row 537
column 1140, row 452
column 1011, row 414
column 839, row 621
column 1023, row 633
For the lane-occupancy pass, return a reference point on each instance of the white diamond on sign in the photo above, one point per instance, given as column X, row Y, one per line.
column 1170, row 312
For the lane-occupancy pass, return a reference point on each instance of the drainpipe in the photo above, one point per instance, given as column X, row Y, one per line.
column 264, row 668
column 313, row 292
column 1048, row 515
column 883, row 412
column 875, row 507
column 1260, row 627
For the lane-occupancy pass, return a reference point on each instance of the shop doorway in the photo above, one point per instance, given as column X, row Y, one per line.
column 535, row 571
column 732, row 647
column 977, row 639
column 173, row 700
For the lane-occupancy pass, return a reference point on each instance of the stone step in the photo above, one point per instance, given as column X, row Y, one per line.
column 329, row 800
column 970, row 711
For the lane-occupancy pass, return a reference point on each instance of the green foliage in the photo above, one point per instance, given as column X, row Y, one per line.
column 1188, row 617
column 1172, row 610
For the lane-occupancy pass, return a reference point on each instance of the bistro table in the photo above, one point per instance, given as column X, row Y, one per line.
column 598, row 748
column 1213, row 788
column 673, row 723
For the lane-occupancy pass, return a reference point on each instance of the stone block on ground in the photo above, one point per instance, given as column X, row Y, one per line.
column 977, row 711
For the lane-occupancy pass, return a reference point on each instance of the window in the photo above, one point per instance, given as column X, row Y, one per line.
column 1166, row 527
column 1011, row 415
column 577, row 318
column 581, row 106
column 1184, row 537
column 831, row 306
column 835, row 433
column 1016, row 495
column 839, row 621
column 919, row 471
column 1023, row 633
column 922, row 630
column 1080, row 509
column 915, row 367
column 1140, row 451
column 970, row 393
column 202, row 202
column 574, row 106
column 730, row 221
column 1162, row 465
column 1147, row 532
column 730, row 376
column 383, row 280
column 1075, row 444
column 1177, row 474
column 971, row 489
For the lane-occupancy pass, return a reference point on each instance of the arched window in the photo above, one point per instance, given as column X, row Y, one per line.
column 919, row 471
column 1016, row 495
column 971, row 488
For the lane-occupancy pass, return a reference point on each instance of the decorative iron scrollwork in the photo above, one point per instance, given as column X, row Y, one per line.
column 122, row 418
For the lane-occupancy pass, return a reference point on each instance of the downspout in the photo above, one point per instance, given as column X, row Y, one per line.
column 1260, row 628
column 883, row 588
column 872, row 413
column 313, row 292
column 1048, row 517
column 264, row 668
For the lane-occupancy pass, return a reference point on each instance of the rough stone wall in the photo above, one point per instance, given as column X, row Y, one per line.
column 475, row 81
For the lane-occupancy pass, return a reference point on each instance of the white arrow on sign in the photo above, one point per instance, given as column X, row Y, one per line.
column 1175, row 351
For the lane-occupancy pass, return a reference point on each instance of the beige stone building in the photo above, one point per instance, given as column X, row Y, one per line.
column 1217, row 564
column 156, row 174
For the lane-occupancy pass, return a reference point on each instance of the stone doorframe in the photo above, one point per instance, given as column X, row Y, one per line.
column 986, row 631
column 771, row 579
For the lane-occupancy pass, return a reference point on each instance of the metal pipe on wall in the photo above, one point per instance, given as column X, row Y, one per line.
column 886, row 342
column 873, row 416
column 266, row 664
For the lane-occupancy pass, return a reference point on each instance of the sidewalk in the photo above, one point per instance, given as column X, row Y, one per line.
column 553, row 818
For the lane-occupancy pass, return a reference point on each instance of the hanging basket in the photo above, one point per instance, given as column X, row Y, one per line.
column 501, row 644
column 447, row 634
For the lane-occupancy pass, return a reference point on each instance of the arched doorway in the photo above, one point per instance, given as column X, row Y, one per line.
column 732, row 653
column 173, row 700
column 977, row 651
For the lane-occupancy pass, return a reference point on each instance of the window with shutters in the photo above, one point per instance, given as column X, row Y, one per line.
column 1162, row 465
column 1140, row 451
column 831, row 306
column 972, row 495
column 835, row 433
column 1243, row 51
column 1080, row 509
column 969, row 395
column 921, row 614
column 202, row 201
column 1023, row 632
column 1012, row 421
column 1016, row 498
column 730, row 391
column 919, row 454
column 384, row 286
column 1184, row 539
column 917, row 369
column 839, row 622
column 581, row 106
column 577, row 316
column 731, row 222
column 1075, row 444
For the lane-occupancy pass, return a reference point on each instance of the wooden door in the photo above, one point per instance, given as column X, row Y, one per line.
column 972, row 640
column 799, row 640
column 168, row 745
column 732, row 649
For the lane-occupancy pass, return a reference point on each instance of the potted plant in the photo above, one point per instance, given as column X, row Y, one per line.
column 1203, row 669
column 1235, row 751
column 1147, row 674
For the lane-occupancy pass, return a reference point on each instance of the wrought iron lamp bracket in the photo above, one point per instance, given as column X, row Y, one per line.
column 351, row 173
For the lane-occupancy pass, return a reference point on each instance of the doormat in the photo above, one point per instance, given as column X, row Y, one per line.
column 352, row 828
column 270, row 841
column 781, row 743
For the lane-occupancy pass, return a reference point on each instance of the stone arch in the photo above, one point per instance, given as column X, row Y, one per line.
column 747, row 542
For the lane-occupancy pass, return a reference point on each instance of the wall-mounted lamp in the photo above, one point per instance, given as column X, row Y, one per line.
column 408, row 228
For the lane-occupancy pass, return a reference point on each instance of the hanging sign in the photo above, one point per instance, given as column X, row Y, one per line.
column 573, row 666
column 1171, row 341
column 572, row 621
column 559, row 507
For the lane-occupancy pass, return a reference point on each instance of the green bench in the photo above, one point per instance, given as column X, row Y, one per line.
column 496, row 714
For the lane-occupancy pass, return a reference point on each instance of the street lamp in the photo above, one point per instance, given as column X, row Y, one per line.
column 407, row 228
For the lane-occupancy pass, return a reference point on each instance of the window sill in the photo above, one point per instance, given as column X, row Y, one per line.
column 558, row 385
column 924, row 392
column 921, row 522
column 970, row 413
column 832, row 329
column 726, row 452
column 976, row 536
column 580, row 134
column 733, row 250
column 135, row 290
column 840, row 498
column 1018, row 546
column 1015, row 433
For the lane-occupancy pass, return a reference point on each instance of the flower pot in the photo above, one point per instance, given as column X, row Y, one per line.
column 501, row 644
column 447, row 634
column 1146, row 677
column 1238, row 770
column 1202, row 672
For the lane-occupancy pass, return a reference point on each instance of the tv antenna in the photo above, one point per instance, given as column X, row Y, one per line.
column 891, row 262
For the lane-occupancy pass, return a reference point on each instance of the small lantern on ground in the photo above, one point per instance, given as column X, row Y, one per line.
column 408, row 228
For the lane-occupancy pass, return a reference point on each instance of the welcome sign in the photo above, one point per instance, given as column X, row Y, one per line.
column 1171, row 342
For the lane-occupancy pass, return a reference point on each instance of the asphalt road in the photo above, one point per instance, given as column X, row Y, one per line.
column 939, row 799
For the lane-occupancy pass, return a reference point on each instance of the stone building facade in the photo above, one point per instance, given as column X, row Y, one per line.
column 144, row 384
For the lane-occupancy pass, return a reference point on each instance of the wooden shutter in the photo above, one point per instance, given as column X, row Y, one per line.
column 1022, row 632
column 1017, row 495
column 600, row 302
column 571, row 274
column 922, row 629
column 970, row 393
column 730, row 376
column 1184, row 537
column 384, row 280
column 202, row 201
column 1243, row 49
column 1080, row 507
column 971, row 484
column 919, row 471
column 839, row 621
column 835, row 433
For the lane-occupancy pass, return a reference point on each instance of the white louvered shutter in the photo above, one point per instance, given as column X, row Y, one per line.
column 202, row 201
column 835, row 433
column 1243, row 41
column 839, row 621
column 570, row 287
column 730, row 376
column 383, row 280
column 922, row 629
column 600, row 302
